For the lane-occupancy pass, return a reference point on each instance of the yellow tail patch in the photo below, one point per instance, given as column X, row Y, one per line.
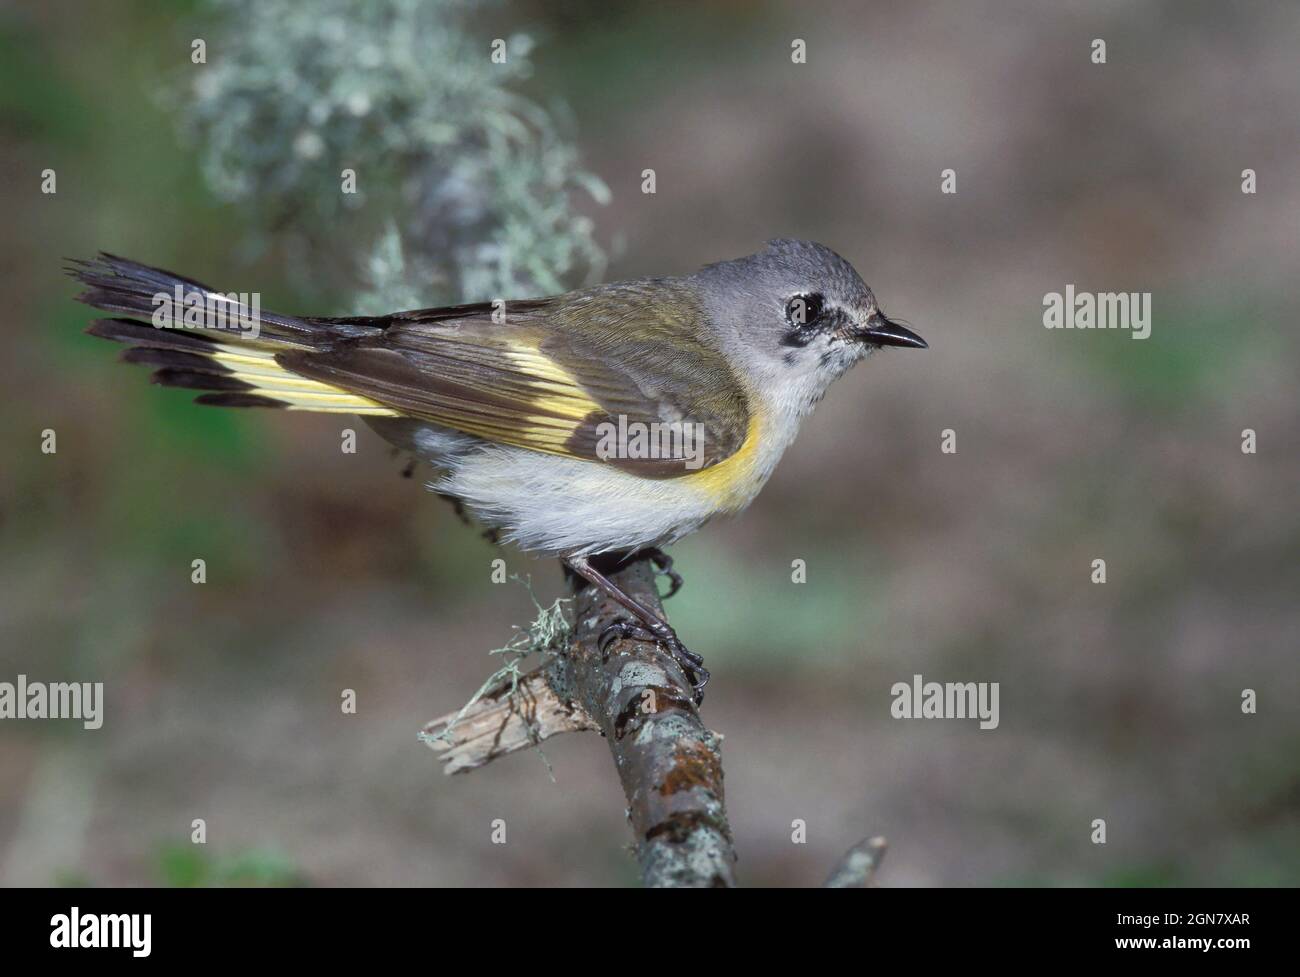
column 268, row 378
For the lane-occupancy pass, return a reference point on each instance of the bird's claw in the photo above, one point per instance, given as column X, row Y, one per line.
column 622, row 628
column 690, row 663
column 663, row 563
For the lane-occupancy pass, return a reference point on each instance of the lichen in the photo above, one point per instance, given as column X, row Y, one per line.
column 464, row 188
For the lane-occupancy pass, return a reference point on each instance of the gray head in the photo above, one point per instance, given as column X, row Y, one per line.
column 797, row 315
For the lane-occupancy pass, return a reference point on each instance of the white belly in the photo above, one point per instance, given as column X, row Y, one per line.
column 562, row 506
column 556, row 505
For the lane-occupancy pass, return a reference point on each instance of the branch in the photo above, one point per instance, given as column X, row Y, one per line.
column 638, row 699
column 858, row 865
column 668, row 761
column 503, row 722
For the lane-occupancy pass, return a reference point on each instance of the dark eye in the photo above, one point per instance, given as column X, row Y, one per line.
column 803, row 310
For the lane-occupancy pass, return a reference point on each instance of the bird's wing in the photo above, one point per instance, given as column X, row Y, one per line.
column 584, row 375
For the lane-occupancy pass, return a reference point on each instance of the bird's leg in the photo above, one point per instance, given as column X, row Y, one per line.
column 650, row 627
column 664, row 565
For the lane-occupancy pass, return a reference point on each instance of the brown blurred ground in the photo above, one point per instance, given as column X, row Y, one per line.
column 328, row 571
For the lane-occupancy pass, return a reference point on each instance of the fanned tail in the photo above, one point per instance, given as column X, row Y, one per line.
column 233, row 350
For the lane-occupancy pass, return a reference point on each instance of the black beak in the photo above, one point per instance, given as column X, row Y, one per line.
column 882, row 332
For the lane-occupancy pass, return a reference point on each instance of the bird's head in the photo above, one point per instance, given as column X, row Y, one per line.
column 795, row 316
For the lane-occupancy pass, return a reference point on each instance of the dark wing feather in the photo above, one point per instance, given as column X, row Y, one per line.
column 555, row 376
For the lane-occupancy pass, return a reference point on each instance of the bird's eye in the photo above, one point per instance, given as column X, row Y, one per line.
column 802, row 310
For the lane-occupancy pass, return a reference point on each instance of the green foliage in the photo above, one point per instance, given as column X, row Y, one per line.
column 1195, row 346
column 184, row 866
column 764, row 620
column 465, row 185
column 33, row 100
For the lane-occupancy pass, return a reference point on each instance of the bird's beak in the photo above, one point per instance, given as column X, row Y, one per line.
column 882, row 332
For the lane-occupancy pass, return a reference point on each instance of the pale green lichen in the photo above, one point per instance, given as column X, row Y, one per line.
column 464, row 188
column 638, row 674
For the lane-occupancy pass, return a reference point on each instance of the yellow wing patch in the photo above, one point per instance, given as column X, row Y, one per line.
column 561, row 393
column 552, row 405
column 266, row 377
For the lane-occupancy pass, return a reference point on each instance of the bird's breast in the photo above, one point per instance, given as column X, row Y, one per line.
column 732, row 483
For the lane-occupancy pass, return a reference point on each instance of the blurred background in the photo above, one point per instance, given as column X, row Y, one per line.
column 328, row 571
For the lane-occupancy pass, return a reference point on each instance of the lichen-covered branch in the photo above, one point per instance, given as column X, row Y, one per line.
column 636, row 696
column 667, row 759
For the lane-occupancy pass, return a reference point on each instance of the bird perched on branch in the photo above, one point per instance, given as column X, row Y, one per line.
column 617, row 418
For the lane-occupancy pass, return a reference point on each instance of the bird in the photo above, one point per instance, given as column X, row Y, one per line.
column 613, row 419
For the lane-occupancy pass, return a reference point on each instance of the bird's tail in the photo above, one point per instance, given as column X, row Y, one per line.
column 223, row 344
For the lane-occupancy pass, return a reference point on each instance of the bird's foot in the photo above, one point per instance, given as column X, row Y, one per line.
column 663, row 564
column 691, row 664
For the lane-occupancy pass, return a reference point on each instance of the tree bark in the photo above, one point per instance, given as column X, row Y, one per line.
column 635, row 696
column 669, row 762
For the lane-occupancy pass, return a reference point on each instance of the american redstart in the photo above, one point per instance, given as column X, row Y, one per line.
column 617, row 418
